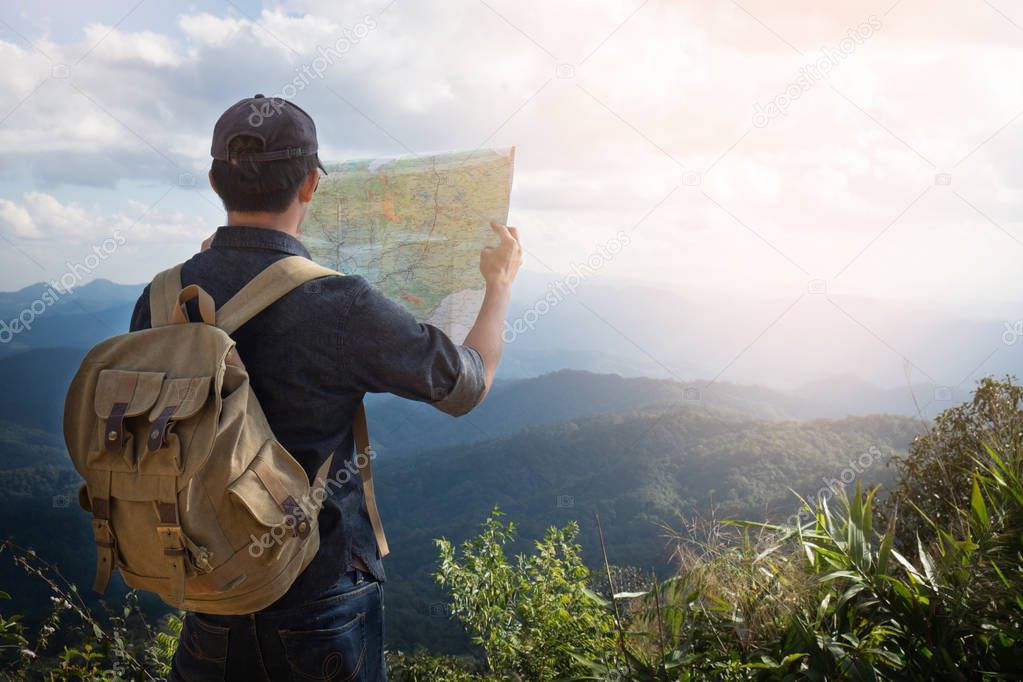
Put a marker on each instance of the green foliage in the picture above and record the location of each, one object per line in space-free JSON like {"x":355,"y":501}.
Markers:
{"x":424,"y":667}
{"x":532,"y":616}
{"x":118,"y":645}
{"x":937,"y":475}
{"x":680,"y":458}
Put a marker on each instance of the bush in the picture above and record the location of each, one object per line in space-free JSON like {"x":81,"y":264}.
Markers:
{"x":535,"y":617}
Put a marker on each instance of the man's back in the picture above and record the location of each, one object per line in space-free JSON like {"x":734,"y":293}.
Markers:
{"x":311,"y":356}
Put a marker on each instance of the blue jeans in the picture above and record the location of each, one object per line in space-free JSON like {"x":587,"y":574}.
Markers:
{"x":339,"y":636}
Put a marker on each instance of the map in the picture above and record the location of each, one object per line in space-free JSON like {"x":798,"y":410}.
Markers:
{"x":414,"y":227}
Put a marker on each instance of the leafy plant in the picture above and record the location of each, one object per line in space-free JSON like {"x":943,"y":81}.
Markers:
{"x":118,"y":645}
{"x":534,"y":616}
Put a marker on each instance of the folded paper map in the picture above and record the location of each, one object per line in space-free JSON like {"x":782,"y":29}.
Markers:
{"x":414,"y":226}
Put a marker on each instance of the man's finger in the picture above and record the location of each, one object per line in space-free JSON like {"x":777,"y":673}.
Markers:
{"x":514,"y":231}
{"x":501,"y":230}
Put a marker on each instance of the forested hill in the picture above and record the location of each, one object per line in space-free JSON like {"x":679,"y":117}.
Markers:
{"x":639,"y":471}
{"x":398,"y":425}
{"x":37,"y":381}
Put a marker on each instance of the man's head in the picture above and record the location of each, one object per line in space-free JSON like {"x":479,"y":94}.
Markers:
{"x":265,"y":158}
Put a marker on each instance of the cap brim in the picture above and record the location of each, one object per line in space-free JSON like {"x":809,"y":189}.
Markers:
{"x":322,"y":167}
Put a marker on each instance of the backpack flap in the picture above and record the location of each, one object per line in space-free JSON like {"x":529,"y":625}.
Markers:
{"x":179,"y":399}
{"x":120,"y":395}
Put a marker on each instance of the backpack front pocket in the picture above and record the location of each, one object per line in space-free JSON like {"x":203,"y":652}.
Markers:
{"x":170,"y":424}
{"x":122,"y":396}
{"x":274,"y":491}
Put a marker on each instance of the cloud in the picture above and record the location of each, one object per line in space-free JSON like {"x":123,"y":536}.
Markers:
{"x":610,"y":104}
{"x":114,"y":46}
{"x":17,"y":220}
{"x":41,"y":216}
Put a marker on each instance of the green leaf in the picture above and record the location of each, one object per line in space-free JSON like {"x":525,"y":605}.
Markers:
{"x":629,"y":595}
{"x":978,"y":507}
{"x":835,"y":575}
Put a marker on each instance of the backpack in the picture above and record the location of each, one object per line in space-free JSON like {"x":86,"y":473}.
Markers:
{"x":192,"y":497}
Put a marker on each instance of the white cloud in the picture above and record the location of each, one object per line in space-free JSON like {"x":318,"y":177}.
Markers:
{"x":17,"y":220}
{"x":652,"y":95}
{"x":42,"y":216}
{"x":112,"y":45}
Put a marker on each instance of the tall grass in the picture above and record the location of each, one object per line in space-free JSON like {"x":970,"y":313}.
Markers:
{"x":831,"y":598}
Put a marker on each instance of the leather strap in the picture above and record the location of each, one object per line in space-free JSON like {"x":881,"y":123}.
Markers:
{"x":163,"y":296}
{"x":158,"y":431}
{"x":265,"y":288}
{"x":103,"y":534}
{"x":365,"y":464}
{"x":172,"y":538}
{"x":113,"y":438}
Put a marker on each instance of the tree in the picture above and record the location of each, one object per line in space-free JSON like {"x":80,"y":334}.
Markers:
{"x":937,"y":474}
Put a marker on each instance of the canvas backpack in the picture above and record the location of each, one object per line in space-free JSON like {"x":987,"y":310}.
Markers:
{"x":192,"y":497}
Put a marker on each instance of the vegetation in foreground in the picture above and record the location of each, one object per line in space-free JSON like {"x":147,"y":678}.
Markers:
{"x":842,"y":592}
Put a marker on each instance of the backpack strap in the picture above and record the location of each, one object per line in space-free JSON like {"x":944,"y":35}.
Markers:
{"x":103,"y":533}
{"x":364,"y":460}
{"x":265,"y":288}
{"x":163,"y":296}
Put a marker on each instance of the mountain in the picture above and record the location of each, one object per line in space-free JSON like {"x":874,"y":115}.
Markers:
{"x":640,"y":330}
{"x":39,"y":379}
{"x":79,"y":318}
{"x":35,"y":383}
{"x":403,"y":428}
{"x":99,"y":294}
{"x":640,"y":471}
{"x":615,"y":327}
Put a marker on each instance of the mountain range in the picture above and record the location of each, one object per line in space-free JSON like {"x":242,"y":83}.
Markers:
{"x":841,"y":356}
{"x":630,"y":402}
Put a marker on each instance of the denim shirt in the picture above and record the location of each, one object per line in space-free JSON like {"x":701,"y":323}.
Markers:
{"x":311,"y":357}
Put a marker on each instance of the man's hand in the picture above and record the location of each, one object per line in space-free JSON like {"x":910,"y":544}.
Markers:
{"x":499,"y":264}
{"x":207,"y":242}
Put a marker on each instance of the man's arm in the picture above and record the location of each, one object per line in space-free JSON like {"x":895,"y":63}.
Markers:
{"x":499,"y":265}
{"x":384,"y":349}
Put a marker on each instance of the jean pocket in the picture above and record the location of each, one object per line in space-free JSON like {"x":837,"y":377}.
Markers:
{"x":202,"y":650}
{"x":328,"y":655}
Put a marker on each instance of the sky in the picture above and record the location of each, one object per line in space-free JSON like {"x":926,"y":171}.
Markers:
{"x":752,"y":148}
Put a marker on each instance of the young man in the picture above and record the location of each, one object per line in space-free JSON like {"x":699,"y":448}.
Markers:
{"x":311,"y":357}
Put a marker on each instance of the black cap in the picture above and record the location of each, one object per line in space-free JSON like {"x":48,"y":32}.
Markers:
{"x":285,"y":129}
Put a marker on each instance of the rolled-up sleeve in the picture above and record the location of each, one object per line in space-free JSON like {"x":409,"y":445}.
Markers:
{"x":384,"y":349}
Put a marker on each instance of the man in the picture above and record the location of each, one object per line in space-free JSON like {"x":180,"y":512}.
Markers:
{"x":311,"y":357}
